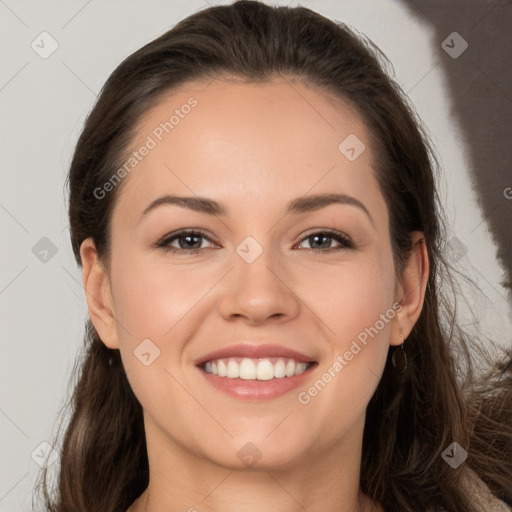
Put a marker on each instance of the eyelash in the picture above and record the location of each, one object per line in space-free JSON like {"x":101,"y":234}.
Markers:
{"x":163,"y":243}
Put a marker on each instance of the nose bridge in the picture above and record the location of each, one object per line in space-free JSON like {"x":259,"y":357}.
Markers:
{"x":256,"y":290}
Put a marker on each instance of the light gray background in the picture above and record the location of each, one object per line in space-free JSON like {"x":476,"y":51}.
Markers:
{"x":43,"y":104}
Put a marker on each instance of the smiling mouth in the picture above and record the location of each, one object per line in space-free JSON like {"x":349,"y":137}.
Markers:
{"x":264,"y":369}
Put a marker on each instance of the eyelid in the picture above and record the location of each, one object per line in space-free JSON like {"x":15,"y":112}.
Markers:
{"x":325,"y":231}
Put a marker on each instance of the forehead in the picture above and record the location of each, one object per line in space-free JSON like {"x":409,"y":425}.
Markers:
{"x":250,"y":144}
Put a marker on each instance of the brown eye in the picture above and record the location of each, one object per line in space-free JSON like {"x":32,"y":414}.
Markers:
{"x":189,"y":242}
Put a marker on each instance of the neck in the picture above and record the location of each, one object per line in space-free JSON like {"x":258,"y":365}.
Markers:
{"x":325,"y":481}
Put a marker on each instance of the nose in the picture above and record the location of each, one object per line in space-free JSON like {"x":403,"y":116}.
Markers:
{"x":259,"y":291}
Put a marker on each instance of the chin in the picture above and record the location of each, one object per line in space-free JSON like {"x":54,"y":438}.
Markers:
{"x":258,"y":455}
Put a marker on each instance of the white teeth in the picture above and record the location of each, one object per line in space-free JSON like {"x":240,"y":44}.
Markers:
{"x":300,"y":368}
{"x":265,"y":370}
{"x":222,"y":370}
{"x":233,"y":370}
{"x":247,"y":369}
{"x":255,"y":369}
{"x":290,"y":368}
{"x":279,"y":369}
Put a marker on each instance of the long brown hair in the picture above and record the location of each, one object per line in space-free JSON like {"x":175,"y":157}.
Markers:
{"x":412,"y":417}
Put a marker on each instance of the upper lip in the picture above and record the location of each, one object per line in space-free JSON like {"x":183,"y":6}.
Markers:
{"x":259,"y":351}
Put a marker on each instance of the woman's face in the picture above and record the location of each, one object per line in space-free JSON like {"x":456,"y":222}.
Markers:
{"x":279,"y":274}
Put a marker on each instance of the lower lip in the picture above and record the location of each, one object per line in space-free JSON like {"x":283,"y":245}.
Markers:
{"x":257,"y":389}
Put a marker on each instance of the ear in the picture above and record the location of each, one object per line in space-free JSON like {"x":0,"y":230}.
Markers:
{"x":98,"y":293}
{"x":411,"y":288}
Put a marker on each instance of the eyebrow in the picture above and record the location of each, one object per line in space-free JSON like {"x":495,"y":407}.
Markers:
{"x":296,"y":206}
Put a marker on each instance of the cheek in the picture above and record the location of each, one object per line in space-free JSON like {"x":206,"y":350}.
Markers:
{"x":345,"y":383}
{"x":363,"y":308}
{"x":352,"y":296}
{"x":153,"y":305}
{"x":151,"y":299}
{"x":358,"y":312}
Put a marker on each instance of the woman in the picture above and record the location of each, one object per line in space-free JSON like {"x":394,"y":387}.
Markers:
{"x":232,"y":363}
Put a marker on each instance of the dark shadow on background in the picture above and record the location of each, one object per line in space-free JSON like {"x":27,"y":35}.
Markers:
{"x":480,"y":82}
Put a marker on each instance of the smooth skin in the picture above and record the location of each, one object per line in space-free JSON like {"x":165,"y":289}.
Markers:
{"x":253,"y":148}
